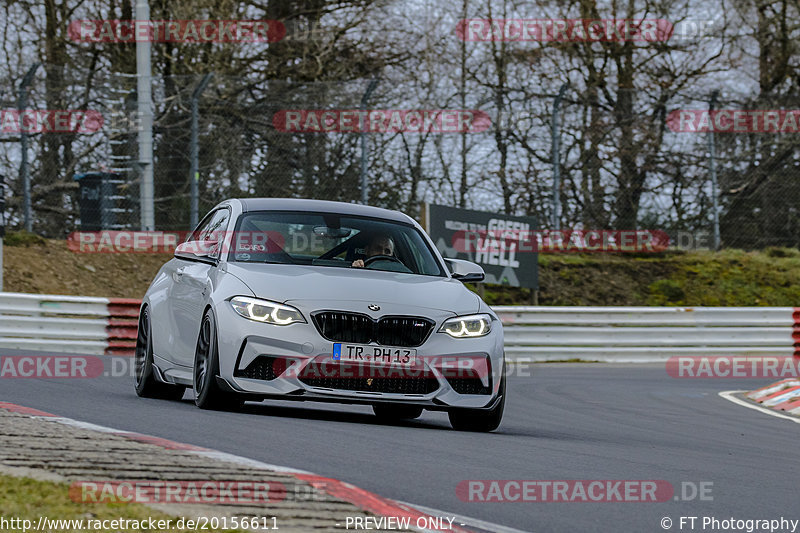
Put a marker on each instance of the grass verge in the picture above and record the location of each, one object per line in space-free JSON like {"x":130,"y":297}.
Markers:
{"x":28,"y":499}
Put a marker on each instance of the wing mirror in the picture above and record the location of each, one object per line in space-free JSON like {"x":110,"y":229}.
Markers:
{"x":205,"y":251}
{"x":465,"y":271}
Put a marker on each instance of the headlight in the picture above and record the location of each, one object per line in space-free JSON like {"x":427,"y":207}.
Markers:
{"x":467,"y":326}
{"x":266,"y":311}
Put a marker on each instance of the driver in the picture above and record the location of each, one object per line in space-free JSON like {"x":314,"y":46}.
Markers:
{"x":381,"y":244}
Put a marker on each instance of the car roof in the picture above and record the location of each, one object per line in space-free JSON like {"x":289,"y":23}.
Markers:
{"x":321,"y":206}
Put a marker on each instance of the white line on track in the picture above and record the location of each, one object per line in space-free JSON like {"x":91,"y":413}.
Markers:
{"x":729,"y":395}
{"x":238,"y":459}
{"x":80,"y":424}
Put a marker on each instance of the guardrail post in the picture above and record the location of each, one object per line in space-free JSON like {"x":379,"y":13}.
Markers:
{"x":555,"y":132}
{"x":194,"y":171}
{"x":712,"y":164}
{"x":2,"y":225}
{"x":22,"y":103}
{"x":364,"y":177}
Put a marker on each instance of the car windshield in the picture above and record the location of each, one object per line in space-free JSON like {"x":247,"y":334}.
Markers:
{"x":332,"y":240}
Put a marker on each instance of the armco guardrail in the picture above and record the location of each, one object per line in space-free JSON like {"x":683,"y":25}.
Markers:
{"x":640,"y":334}
{"x":76,"y":324}
{"x":68,"y":324}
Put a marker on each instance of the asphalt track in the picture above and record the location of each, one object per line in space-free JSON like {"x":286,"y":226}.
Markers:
{"x":565,"y":421}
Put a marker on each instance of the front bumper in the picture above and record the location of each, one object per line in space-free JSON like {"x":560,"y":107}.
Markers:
{"x":295,"y":362}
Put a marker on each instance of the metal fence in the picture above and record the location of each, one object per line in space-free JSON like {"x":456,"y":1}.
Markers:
{"x":532,"y":334}
{"x":616,"y":171}
{"x":647,"y":334}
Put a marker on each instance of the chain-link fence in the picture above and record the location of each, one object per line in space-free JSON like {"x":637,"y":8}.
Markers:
{"x":644,"y":162}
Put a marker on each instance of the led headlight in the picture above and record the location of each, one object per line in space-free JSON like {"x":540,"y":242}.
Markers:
{"x":266,"y":311}
{"x":467,"y":326}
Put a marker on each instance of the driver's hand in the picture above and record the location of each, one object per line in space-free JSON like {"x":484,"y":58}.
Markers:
{"x":358,"y":263}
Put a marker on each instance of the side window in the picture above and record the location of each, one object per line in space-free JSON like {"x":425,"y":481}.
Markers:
{"x":215,"y":230}
{"x":212,"y":229}
{"x":212,"y":226}
{"x":425,"y":262}
{"x":193,"y":236}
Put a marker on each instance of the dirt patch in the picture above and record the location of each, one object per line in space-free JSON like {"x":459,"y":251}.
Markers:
{"x":48,"y":267}
{"x":726,"y":278}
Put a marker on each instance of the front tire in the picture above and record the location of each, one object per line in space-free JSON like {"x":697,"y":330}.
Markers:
{"x":147,"y":386}
{"x":478,"y":419}
{"x":207,"y":394}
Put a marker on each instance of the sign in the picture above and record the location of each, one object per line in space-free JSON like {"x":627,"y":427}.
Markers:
{"x":504,"y":245}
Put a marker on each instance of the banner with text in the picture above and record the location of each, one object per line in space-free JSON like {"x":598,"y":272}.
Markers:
{"x":501,"y":244}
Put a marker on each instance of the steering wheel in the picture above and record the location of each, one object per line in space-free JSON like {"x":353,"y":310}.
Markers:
{"x":369,"y":260}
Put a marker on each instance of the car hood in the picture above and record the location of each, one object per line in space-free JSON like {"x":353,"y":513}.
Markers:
{"x":299,"y":283}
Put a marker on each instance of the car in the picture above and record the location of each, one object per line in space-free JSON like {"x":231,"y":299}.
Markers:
{"x":314,"y":300}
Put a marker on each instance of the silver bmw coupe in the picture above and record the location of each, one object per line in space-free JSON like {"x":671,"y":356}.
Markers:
{"x":321,"y":301}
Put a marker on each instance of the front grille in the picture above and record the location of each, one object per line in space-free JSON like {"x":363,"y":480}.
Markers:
{"x":344,"y":327}
{"x":351,"y":378}
{"x":402,"y":331}
{"x":263,"y":367}
{"x":339,"y":326}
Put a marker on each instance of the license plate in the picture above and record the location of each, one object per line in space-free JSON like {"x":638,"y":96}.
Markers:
{"x":377,"y":355}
